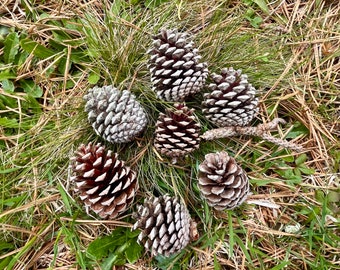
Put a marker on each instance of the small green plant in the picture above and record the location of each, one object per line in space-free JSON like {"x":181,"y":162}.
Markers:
{"x":293,"y":171}
{"x":115,"y":249}
{"x":63,"y":55}
{"x":251,"y":15}
{"x":27,"y":64}
{"x":12,"y":59}
{"x":253,"y":19}
{"x":15,"y":122}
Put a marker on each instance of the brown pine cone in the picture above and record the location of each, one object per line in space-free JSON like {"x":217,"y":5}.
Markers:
{"x":222,"y":181}
{"x":115,"y":115}
{"x":103,"y":182}
{"x":231,"y":100}
{"x":166,"y":225}
{"x":177,"y":132}
{"x":176,"y":71}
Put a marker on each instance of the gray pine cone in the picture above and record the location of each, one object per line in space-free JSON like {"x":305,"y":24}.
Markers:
{"x":115,"y":115}
{"x":166,"y":225}
{"x":222,"y":181}
{"x":231,"y":100}
{"x":103,"y":182}
{"x":176,"y":71}
{"x":177,"y":132}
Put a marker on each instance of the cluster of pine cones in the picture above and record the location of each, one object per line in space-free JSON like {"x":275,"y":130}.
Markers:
{"x":107,"y":186}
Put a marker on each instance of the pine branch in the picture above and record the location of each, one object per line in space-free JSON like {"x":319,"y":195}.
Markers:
{"x":260,"y":131}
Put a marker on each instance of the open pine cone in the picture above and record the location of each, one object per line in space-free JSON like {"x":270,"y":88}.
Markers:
{"x":103,"y":182}
{"x":176,"y":71}
{"x":231,"y":100}
{"x":177,"y":132}
{"x":222,"y":181}
{"x":166,"y":225}
{"x":115,"y":115}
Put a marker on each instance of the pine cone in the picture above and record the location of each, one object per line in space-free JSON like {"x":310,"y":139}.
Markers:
{"x":222,"y":181}
{"x":174,"y":64}
{"x":115,"y":115}
{"x":166,"y":225}
{"x":177,"y":132}
{"x":103,"y":182}
{"x":232,"y":100}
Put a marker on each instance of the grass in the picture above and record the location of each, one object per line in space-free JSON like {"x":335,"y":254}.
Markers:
{"x":290,"y":51}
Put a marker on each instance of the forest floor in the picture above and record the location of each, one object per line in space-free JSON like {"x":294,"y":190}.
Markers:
{"x":52,"y":52}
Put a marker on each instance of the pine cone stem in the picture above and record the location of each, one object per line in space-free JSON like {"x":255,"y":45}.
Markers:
{"x":259,"y":131}
{"x":282,"y":143}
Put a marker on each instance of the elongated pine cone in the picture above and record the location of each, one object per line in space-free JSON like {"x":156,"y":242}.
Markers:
{"x":222,"y":181}
{"x":176,"y":71}
{"x":103,"y":182}
{"x":177,"y":132}
{"x":166,"y":225}
{"x":231,"y":100}
{"x":115,"y":115}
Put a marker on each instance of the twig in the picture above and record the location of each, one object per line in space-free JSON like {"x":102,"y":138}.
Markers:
{"x":259,"y":131}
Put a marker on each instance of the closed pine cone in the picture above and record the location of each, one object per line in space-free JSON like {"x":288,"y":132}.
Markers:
{"x":103,"y":182}
{"x":115,"y":115}
{"x":177,"y":132}
{"x":176,"y":71}
{"x":166,"y":225}
{"x":222,"y":181}
{"x":231,"y":100}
